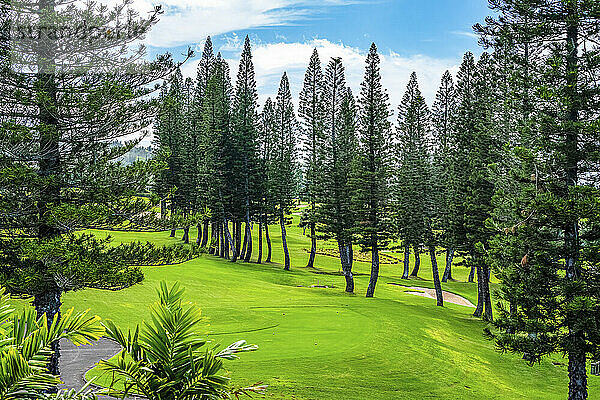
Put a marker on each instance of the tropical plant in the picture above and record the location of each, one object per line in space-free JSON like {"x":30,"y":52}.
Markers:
{"x":26,"y":349}
{"x":169,"y":358}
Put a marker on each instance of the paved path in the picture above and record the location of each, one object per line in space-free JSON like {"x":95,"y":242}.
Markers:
{"x":75,"y":361}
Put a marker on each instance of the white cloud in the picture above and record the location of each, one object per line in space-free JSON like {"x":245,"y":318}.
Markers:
{"x":272,"y":59}
{"x":471,"y":35}
{"x":190,"y":21}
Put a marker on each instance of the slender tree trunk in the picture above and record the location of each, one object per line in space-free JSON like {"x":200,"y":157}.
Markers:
{"x":448,"y":270}
{"x":268,"y":239}
{"x":244,"y":242}
{"x":313,"y":246}
{"x":472,"y":274}
{"x":286,"y":253}
{"x":436,"y":277}
{"x":199,"y":237}
{"x":374,"y":269}
{"x":248,"y":253}
{"x":222,"y":244}
{"x":480,"y":291}
{"x":577,"y":371}
{"x":487,"y":298}
{"x":163,"y":208}
{"x":346,"y":261}
{"x":172,"y":233}
{"x":48,"y":302}
{"x":205,"y":234}
{"x":238,"y":239}
{"x":406,"y":261}
{"x":229,"y":239}
{"x":213,"y":238}
{"x":260,"y":229}
{"x":415,"y":271}
{"x":186,"y":234}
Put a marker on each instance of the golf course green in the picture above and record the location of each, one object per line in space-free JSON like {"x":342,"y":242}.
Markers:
{"x":322,"y":343}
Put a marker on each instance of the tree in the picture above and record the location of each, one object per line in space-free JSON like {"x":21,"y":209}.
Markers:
{"x":267,"y":140}
{"x":443,"y":114}
{"x":311,"y":114}
{"x":245,"y":122}
{"x":547,"y":218}
{"x":282,"y":183}
{"x":335,"y":213}
{"x":169,"y":358}
{"x":372,"y":169}
{"x":412,"y":172}
{"x":63,"y":101}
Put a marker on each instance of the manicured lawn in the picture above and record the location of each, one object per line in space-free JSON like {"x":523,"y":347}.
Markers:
{"x":318,"y":343}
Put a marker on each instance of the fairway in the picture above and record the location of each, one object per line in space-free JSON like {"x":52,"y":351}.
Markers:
{"x":321,"y":343}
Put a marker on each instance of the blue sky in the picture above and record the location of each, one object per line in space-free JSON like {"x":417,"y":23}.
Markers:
{"x":427,"y":36}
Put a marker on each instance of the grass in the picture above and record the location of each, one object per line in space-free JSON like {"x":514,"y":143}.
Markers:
{"x":318,"y":343}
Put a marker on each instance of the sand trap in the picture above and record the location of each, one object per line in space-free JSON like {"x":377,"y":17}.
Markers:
{"x":430,"y":294}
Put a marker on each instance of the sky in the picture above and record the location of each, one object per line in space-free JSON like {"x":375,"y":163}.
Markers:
{"x":426,"y":36}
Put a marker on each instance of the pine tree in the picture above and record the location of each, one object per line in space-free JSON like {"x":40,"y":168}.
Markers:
{"x":311,"y":114}
{"x":547,"y":218}
{"x":245,"y":119}
{"x":462,"y":128}
{"x":443,"y":114}
{"x":63,"y":103}
{"x":282,"y":181}
{"x":412,"y":172}
{"x":268,"y":136}
{"x":372,"y":169}
{"x":335,"y":213}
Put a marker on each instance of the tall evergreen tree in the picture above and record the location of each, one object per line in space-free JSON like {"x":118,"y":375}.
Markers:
{"x":372,"y":169}
{"x":311,"y":114}
{"x":268,"y":137}
{"x":412,"y":172}
{"x":335,"y":213}
{"x":282,"y":182}
{"x":245,"y":119}
{"x":548,"y":227}
{"x":63,"y":101}
{"x":443,"y":114}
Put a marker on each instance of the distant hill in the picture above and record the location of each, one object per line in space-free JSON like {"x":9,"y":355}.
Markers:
{"x":135,"y":154}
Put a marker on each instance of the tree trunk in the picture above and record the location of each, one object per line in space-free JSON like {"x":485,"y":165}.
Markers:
{"x":229,"y":239}
{"x":268,"y":239}
{"x":374,"y":269}
{"x":222,"y":244}
{"x":248,"y":253}
{"x":406,"y":262}
{"x":244,"y":241}
{"x":313,"y":246}
{"x":49,"y":303}
{"x":472,"y":275}
{"x":260,"y":229}
{"x":205,"y":234}
{"x":199,"y":237}
{"x":448,"y":270}
{"x":286,"y":253}
{"x":487,"y":298}
{"x":172,"y":233}
{"x":577,"y":372}
{"x":480,"y":292}
{"x":163,"y":208}
{"x":436,"y":277}
{"x":238,"y":240}
{"x":415,"y":271}
{"x":346,"y":261}
{"x":186,"y":234}
{"x":213,"y":238}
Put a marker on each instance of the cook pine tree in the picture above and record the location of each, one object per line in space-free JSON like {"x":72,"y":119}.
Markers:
{"x":311,"y":113}
{"x":371,"y":199}
{"x":335,"y":213}
{"x":554,"y":286}
{"x":282,"y":180}
{"x":61,"y":110}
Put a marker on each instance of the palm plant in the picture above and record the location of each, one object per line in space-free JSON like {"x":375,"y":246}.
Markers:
{"x":168,"y":358}
{"x":26,"y":348}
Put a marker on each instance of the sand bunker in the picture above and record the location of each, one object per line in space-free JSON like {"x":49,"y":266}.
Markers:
{"x":430,"y":294}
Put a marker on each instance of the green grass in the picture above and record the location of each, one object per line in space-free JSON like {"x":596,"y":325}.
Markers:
{"x":325,"y":344}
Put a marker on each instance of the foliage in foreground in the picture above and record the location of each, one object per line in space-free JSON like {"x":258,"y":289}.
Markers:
{"x":169,"y":358}
{"x":25,"y":350}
